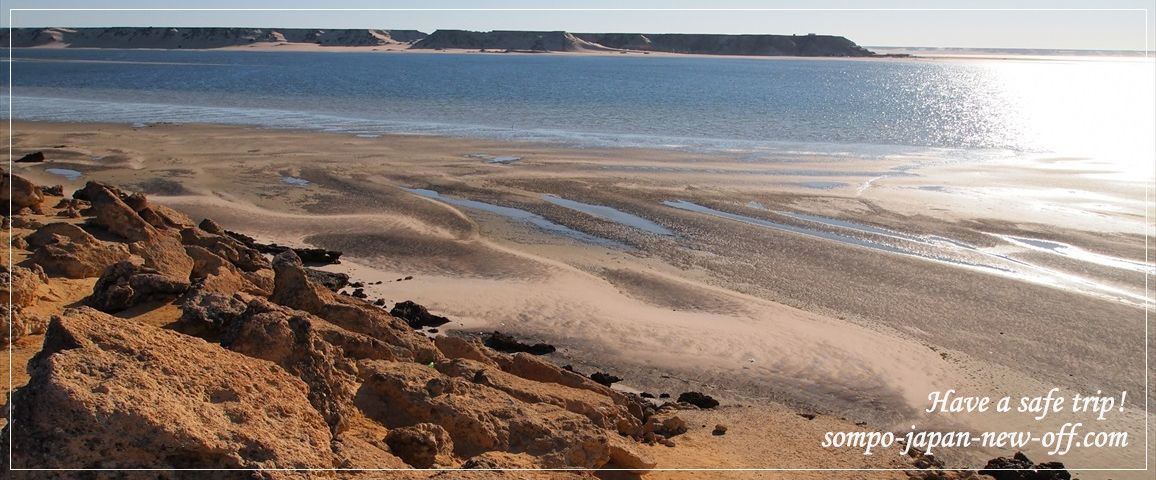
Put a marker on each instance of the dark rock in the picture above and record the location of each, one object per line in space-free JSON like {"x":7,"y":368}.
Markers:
{"x":719,"y":430}
{"x":605,"y":378}
{"x":124,"y":285}
{"x":53,"y":190}
{"x":334,"y":281}
{"x":34,"y":157}
{"x":432,"y":330}
{"x":316,"y":256}
{"x":664,"y":395}
{"x":211,"y":227}
{"x":379,"y":302}
{"x":1042,"y":471}
{"x":360,"y":293}
{"x":408,"y":277}
{"x":698,"y":399}
{"x":568,"y":367}
{"x":646,"y":395}
{"x":808,"y":416}
{"x":416,"y":315}
{"x":357,"y":285}
{"x":507,"y":344}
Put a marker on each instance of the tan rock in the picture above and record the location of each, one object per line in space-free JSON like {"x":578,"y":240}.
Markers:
{"x":112,"y":393}
{"x":21,"y":192}
{"x":241,"y":256}
{"x":219,"y":275}
{"x":480,"y":418}
{"x":423,"y":445}
{"x":65,"y":250}
{"x":599,"y":409}
{"x":165,"y":254}
{"x":457,"y":347}
{"x":114,"y":215}
{"x":293,"y":288}
{"x":20,"y":287}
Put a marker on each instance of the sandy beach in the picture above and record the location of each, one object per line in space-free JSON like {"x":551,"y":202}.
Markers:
{"x":850,"y":289}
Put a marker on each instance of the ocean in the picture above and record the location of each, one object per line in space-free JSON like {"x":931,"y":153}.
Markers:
{"x":1097,"y":109}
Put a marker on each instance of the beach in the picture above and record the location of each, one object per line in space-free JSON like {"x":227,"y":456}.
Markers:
{"x":844,"y":288}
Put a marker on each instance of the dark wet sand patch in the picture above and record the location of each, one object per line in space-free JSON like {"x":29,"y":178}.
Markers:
{"x":663,"y":292}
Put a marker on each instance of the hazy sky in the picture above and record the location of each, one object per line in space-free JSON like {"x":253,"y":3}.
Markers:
{"x":1120,"y":30}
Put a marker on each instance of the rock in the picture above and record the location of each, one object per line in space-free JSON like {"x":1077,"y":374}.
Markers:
{"x":317,"y":256}
{"x":215,"y":274}
{"x":480,"y":418}
{"x":808,"y":416}
{"x":423,"y":445}
{"x":1043,"y":471}
{"x":292,"y":288}
{"x":124,"y":285}
{"x":26,"y":223}
{"x":360,"y":293}
{"x":20,"y":287}
{"x":624,"y":456}
{"x":211,"y":227}
{"x":165,"y":254}
{"x":719,"y":430}
{"x":600,"y":409}
{"x":66,"y":250}
{"x":20,"y":192}
{"x":53,"y":190}
{"x":334,"y":281}
{"x":471,"y":349}
{"x":243,"y":257}
{"x":646,"y":395}
{"x":698,"y":399}
{"x":69,"y":213}
{"x":114,"y":215}
{"x":665,"y":425}
{"x":664,"y":395}
{"x":415,"y":315}
{"x":379,"y":302}
{"x":113,"y":393}
{"x":605,"y":378}
{"x":507,"y":344}
{"x":34,"y":157}
{"x":357,"y":285}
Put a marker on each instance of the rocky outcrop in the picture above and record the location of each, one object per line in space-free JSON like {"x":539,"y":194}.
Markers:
{"x":112,"y":393}
{"x":698,"y":399}
{"x":125,"y":285}
{"x":810,"y":45}
{"x":34,"y":157}
{"x":293,"y":288}
{"x":480,"y":418}
{"x":508,"y":344}
{"x":266,"y":367}
{"x":20,"y":192}
{"x":66,"y":250}
{"x":202,"y":37}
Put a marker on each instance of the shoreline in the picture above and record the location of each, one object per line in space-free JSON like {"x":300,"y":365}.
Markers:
{"x":581,"y":293}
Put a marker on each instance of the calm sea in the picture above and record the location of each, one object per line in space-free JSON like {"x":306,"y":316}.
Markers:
{"x":956,"y":110}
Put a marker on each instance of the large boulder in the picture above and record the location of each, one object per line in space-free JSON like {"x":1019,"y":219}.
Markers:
{"x":112,"y":393}
{"x":20,"y":192}
{"x":114,"y":215}
{"x":124,"y":285}
{"x":165,"y":254}
{"x":66,"y":250}
{"x":219,"y":275}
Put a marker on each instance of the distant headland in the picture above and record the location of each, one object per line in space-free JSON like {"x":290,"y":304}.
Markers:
{"x":198,"y":38}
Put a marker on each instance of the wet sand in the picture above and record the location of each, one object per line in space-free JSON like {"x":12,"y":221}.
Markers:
{"x":1008,"y":279}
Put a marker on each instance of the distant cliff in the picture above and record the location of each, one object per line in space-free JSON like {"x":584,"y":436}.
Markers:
{"x":201,"y":37}
{"x":553,"y":41}
{"x":705,"y":44}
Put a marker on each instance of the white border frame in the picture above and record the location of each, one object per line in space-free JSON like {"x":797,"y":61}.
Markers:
{"x":10,"y":30}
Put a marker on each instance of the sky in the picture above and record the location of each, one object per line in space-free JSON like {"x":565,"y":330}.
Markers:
{"x":1131,"y":27}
